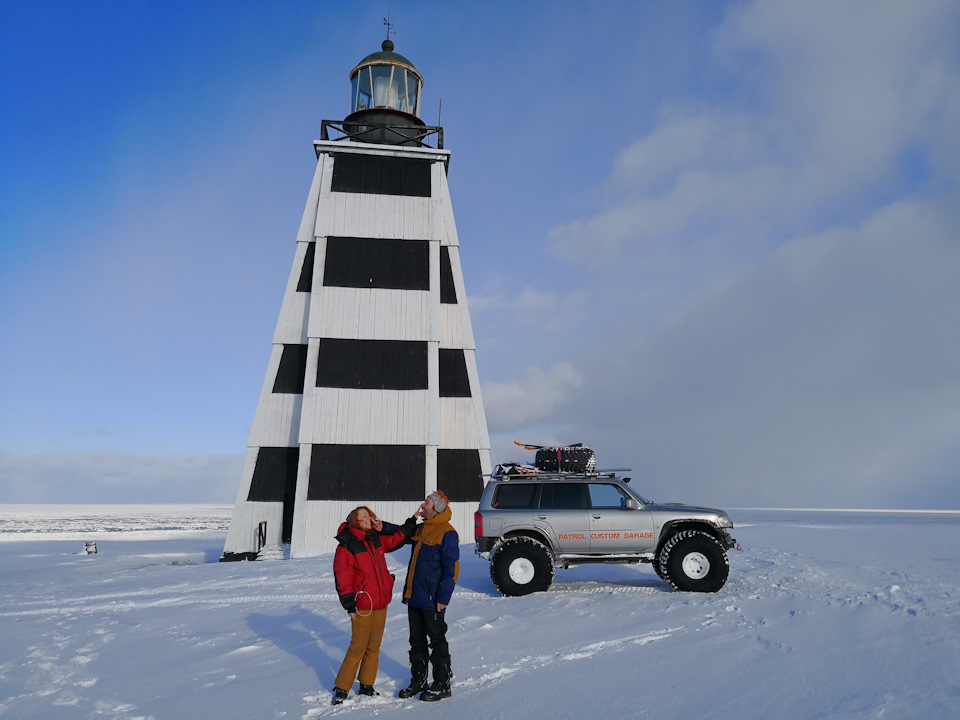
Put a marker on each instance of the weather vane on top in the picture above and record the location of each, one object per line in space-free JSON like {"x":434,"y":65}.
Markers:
{"x":386,"y":21}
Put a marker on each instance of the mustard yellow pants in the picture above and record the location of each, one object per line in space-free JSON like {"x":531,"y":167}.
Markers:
{"x":364,"y":650}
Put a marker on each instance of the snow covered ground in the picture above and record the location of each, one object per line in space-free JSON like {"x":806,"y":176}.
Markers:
{"x":825,"y":615}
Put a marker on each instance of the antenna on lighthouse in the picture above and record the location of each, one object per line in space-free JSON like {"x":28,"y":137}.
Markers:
{"x":390,"y":25}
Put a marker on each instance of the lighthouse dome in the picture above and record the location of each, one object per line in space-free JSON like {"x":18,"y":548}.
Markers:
{"x":386,"y":54}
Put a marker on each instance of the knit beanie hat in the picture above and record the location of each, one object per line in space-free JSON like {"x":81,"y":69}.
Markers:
{"x":439,"y":501}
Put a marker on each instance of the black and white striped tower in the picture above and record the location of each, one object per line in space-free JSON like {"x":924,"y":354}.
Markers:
{"x":371,"y":395}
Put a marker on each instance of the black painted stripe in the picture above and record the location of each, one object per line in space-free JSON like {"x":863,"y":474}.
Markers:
{"x":293,"y":368}
{"x":376,"y":263}
{"x":372,"y":364}
{"x":306,"y":272}
{"x":454,"y":381}
{"x":274,"y":474}
{"x":448,"y":291}
{"x":381,"y":175}
{"x":458,"y":474}
{"x":367,"y":472}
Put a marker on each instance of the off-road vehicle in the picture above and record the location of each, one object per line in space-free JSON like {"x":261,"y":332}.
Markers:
{"x":531,"y":521}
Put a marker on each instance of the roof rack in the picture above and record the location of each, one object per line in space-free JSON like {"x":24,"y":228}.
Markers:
{"x":541,"y":475}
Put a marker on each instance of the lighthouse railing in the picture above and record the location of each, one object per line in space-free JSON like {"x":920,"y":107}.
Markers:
{"x":408,"y":134}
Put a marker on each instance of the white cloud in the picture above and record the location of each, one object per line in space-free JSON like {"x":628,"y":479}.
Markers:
{"x":545,"y":310}
{"x":846,"y":90}
{"x":524,"y":403}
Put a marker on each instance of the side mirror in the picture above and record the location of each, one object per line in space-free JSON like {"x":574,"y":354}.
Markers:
{"x":632,"y":504}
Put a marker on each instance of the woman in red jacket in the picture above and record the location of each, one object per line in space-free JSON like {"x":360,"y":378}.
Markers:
{"x":365,"y":587}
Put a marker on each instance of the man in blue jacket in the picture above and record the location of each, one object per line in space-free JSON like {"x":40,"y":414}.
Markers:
{"x":431,"y":577}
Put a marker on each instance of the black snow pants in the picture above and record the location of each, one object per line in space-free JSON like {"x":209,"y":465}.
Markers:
{"x":428,"y":641}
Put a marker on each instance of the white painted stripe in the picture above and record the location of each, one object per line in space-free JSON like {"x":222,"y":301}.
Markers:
{"x":466,"y":328}
{"x":376,"y":216}
{"x":277,"y":417}
{"x":370,"y":314}
{"x":292,"y":323}
{"x":450,"y":236}
{"x":458,"y":424}
{"x":341,"y":416}
{"x":309,"y":220}
{"x":277,"y":421}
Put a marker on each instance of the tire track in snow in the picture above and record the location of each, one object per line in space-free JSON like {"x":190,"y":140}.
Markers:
{"x":468,"y":685}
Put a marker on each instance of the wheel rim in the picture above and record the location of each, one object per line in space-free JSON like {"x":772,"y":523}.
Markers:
{"x":696,"y":566}
{"x":521,"y":571}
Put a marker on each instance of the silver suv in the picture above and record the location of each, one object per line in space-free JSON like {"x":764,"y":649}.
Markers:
{"x":530,"y":522}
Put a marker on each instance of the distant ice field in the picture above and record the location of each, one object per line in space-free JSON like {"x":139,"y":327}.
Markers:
{"x":19,"y":523}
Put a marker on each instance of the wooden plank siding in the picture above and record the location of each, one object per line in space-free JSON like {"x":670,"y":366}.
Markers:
{"x":450,"y":236}
{"x":458,"y":425}
{"x":277,"y":421}
{"x":466,"y":328}
{"x":376,"y":216}
{"x":379,"y":417}
{"x":371,"y":314}
{"x":247,"y":516}
{"x":294,"y":310}
{"x":373,"y":294}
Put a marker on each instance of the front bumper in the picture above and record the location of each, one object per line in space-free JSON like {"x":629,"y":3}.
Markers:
{"x":729,"y":542}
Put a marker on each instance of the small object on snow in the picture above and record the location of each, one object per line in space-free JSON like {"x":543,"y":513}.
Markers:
{"x":175,"y":562}
{"x":338,"y":696}
{"x":90,"y":547}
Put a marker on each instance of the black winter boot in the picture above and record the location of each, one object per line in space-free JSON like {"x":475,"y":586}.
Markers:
{"x":367,"y":690}
{"x":338,"y":696}
{"x":437,"y":691}
{"x":440,"y":688}
{"x":418,"y":681}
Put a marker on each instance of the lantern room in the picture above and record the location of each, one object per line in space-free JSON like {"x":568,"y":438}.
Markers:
{"x":385,"y":81}
{"x":385,"y":100}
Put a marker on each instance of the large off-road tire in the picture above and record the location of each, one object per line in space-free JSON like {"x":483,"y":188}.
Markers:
{"x":658,"y":571}
{"x":693,"y":561}
{"x":520,"y":566}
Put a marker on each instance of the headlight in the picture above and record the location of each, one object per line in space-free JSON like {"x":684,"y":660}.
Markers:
{"x":724,"y":521}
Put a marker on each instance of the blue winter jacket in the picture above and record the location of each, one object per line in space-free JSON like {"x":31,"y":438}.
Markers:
{"x":434,"y":563}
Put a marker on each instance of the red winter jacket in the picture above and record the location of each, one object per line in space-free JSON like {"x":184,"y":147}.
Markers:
{"x":363,"y":581}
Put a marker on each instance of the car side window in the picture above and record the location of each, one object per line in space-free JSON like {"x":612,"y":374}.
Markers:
{"x":563,"y":496}
{"x":607,"y":496}
{"x":515,"y":496}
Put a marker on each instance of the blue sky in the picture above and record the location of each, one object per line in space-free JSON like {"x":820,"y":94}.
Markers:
{"x":718,"y":242}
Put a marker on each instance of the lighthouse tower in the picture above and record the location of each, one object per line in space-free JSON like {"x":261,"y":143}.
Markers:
{"x":371,"y":395}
